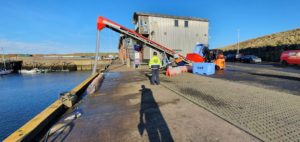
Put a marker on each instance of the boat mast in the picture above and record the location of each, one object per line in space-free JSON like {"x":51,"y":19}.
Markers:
{"x":3,"y":59}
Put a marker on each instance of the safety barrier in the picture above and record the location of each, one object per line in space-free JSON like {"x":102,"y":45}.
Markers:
{"x":172,"y":71}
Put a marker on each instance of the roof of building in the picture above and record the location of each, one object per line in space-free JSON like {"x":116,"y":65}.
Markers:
{"x":136,"y":14}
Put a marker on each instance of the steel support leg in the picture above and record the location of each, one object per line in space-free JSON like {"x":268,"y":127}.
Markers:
{"x":97,"y":52}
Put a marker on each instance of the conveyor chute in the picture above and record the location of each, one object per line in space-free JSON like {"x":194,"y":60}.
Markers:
{"x":103,"y":22}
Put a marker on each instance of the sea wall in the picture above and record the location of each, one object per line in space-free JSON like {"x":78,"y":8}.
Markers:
{"x":72,"y":64}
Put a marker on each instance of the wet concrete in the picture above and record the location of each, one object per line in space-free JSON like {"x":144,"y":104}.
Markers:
{"x":127,"y":108}
{"x":270,"y":76}
{"x":196,"y":93}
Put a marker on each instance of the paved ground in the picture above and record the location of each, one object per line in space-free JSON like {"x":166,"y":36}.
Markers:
{"x":266,"y":75}
{"x":128,"y":108}
{"x":268,"y":114}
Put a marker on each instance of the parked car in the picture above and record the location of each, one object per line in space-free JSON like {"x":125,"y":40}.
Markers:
{"x":250,"y":59}
{"x":238,"y":57}
{"x":290,"y":57}
{"x":230,"y":57}
{"x":233,"y":57}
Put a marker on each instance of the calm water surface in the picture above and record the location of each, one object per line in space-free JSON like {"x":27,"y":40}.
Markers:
{"x":24,"y":96}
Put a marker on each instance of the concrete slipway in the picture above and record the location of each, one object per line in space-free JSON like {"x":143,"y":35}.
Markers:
{"x":184,"y":108}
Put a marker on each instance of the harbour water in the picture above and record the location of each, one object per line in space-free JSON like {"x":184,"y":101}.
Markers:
{"x":24,"y":96}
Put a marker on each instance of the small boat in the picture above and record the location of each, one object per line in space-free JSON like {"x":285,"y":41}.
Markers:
{"x":44,"y":71}
{"x":65,"y":70}
{"x":4,"y":72}
{"x":32,"y":71}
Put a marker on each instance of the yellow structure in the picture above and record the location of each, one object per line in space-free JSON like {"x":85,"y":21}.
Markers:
{"x":220,"y":62}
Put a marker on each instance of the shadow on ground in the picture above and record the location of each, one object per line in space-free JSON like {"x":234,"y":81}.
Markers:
{"x":286,"y":66}
{"x":277,"y":76}
{"x":151,"y":119}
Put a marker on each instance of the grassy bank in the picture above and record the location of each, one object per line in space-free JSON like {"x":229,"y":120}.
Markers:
{"x":268,"y":47}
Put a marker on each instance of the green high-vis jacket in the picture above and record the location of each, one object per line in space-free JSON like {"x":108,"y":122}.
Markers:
{"x":155,"y":61}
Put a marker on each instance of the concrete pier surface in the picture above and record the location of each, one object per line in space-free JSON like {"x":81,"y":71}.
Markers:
{"x":127,"y":108}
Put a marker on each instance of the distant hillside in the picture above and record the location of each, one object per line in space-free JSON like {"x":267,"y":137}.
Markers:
{"x":71,"y":54}
{"x":268,"y":47}
{"x":90,"y":54}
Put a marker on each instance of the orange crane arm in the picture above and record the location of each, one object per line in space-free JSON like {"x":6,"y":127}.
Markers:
{"x":104,"y":22}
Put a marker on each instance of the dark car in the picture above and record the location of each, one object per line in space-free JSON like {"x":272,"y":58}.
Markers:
{"x":233,"y":57}
{"x":250,"y":59}
{"x":230,"y":57}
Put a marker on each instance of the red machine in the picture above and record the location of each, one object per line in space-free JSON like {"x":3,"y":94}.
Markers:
{"x":194,"y":57}
{"x":217,"y":58}
{"x":198,"y":55}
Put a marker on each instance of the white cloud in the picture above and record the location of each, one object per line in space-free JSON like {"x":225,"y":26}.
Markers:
{"x":20,"y":47}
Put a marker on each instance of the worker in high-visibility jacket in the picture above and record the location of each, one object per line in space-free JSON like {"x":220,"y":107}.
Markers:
{"x":155,"y":64}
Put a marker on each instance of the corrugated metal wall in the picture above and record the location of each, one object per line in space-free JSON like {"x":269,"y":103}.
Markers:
{"x":163,"y":31}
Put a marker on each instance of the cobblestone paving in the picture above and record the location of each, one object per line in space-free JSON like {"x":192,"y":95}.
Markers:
{"x":269,"y":115}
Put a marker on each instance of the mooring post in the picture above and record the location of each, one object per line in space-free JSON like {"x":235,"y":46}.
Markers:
{"x":97,"y":52}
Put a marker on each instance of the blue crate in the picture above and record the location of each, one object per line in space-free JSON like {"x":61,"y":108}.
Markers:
{"x":204,"y":68}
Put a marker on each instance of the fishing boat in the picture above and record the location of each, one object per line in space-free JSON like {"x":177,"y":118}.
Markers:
{"x":4,"y":72}
{"x":32,"y":71}
{"x":66,"y":70}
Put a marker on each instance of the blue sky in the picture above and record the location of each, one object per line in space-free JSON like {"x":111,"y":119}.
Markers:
{"x":69,"y":26}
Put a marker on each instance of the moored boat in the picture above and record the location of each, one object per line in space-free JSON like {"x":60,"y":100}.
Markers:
{"x":4,"y":72}
{"x":32,"y":71}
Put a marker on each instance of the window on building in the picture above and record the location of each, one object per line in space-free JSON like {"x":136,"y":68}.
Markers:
{"x":176,"y":23}
{"x":186,"y":24}
{"x":141,"y":22}
{"x":152,"y":33}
